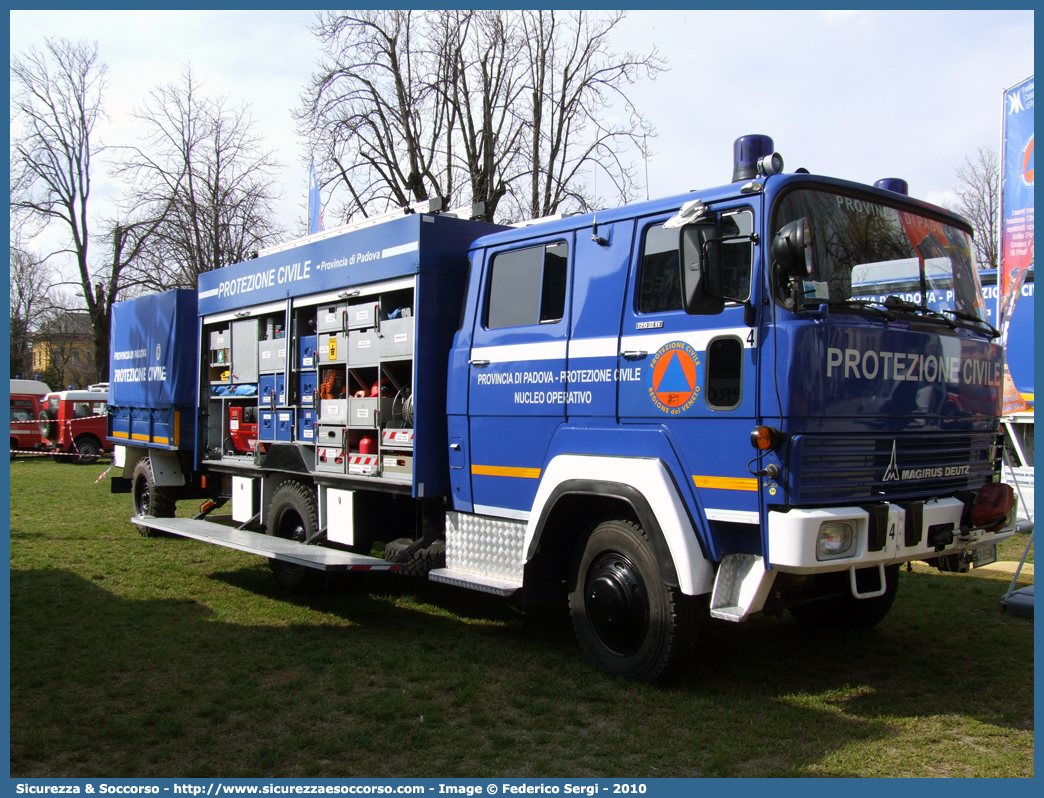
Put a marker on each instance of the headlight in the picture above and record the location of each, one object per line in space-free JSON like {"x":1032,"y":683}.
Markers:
{"x":836,"y":539}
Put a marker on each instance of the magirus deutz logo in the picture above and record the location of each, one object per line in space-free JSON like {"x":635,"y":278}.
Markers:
{"x":894,"y":474}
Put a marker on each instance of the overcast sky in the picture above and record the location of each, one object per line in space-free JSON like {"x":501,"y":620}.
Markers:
{"x":858,"y":95}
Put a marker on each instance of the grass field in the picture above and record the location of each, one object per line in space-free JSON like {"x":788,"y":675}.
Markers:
{"x":162,"y":656}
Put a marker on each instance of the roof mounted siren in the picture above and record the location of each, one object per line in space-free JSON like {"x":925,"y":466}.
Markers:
{"x":753,"y":156}
{"x":896,"y":184}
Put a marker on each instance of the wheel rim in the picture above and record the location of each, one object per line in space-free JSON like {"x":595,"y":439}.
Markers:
{"x":143,"y":497}
{"x":291,"y":526}
{"x":617,"y":603}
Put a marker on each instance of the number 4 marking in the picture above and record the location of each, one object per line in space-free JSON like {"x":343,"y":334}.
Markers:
{"x":750,"y":337}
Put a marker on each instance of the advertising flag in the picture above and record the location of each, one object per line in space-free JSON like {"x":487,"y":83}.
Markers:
{"x":1016,"y":189}
{"x":314,"y":207}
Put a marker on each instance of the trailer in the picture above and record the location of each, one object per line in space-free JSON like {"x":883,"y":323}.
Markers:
{"x":695,"y":406}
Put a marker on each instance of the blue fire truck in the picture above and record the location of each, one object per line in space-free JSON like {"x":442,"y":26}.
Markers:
{"x":673,"y":409}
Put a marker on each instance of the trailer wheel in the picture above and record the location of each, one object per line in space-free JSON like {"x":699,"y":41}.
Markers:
{"x":628,"y":622}
{"x":850,"y":613}
{"x":150,"y":498}
{"x":88,"y":449}
{"x":294,"y":515}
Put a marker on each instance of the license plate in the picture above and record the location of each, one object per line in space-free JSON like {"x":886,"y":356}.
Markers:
{"x":986,"y":555}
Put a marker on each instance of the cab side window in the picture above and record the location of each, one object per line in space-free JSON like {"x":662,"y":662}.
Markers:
{"x":528,"y":286}
{"x":737,"y":254}
{"x":659,"y":286}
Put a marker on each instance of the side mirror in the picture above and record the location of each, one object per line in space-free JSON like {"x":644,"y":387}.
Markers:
{"x":792,"y":249}
{"x":701,"y":270}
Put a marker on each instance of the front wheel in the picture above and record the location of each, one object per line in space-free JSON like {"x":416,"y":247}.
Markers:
{"x":294,"y":515}
{"x":628,"y":622}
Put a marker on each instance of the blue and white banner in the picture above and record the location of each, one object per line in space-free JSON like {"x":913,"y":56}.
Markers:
{"x":1017,"y":188}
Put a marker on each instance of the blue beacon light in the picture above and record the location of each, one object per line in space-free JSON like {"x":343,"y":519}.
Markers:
{"x":746,"y":152}
{"x":896,"y":184}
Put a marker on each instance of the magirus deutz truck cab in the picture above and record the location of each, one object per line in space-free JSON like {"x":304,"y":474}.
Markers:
{"x":720,"y":403}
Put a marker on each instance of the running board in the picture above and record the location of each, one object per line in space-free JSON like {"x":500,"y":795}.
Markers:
{"x":291,"y":551}
{"x":473,"y":581}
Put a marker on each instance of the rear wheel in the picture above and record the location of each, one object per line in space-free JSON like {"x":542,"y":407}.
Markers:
{"x":421,"y":561}
{"x":294,"y":515}
{"x":628,"y":622}
{"x":88,"y":450}
{"x":850,"y":613}
{"x":149,"y":498}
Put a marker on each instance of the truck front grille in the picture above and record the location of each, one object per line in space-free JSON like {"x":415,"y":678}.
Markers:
{"x":827,"y":469}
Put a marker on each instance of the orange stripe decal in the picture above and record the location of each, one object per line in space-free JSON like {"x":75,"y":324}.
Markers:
{"x":725,"y":483}
{"x":505,"y":471}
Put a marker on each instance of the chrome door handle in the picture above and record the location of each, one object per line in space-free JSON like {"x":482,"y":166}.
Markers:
{"x":633,"y":354}
{"x":478,"y":363}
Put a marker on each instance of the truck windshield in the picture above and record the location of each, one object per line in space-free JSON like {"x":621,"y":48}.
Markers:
{"x":865,"y":252}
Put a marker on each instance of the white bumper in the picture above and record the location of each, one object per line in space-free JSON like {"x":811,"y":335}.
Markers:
{"x":792,"y":537}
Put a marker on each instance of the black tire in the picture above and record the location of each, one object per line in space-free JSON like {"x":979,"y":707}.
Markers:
{"x":88,"y":449}
{"x":149,"y":498}
{"x":421,"y":561}
{"x":14,"y":445}
{"x":628,"y":622}
{"x":849,"y":613}
{"x":48,"y":426}
{"x":294,"y":515}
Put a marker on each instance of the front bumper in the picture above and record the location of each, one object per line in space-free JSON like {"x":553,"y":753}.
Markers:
{"x":792,"y":537}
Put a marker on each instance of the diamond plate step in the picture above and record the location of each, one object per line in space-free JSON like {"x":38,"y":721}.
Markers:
{"x":484,"y":583}
{"x":266,"y":546}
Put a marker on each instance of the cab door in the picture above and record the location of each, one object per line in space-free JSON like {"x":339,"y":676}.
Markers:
{"x":516,"y":390}
{"x":696,"y":374}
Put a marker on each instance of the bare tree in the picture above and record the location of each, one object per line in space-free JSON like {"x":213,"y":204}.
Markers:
{"x":483,"y":83}
{"x":56,"y":103}
{"x":30,"y":297}
{"x":372,"y":114}
{"x":408,"y":106}
{"x":201,"y":191}
{"x":575,"y":80}
{"x":978,"y":194}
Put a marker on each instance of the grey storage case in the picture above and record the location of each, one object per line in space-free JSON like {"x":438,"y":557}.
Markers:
{"x":333,"y":411}
{"x":363,"y":348}
{"x":361,"y":317}
{"x":396,"y":337}
{"x":340,"y":349}
{"x":330,"y":318}
{"x":271,"y":355}
{"x":361,"y":412}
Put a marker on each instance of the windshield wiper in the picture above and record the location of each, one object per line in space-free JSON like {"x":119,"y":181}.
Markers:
{"x":960,"y":314}
{"x":862,"y":304}
{"x":896,"y":303}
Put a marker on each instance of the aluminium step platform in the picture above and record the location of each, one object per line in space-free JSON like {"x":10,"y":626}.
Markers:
{"x":265,"y":545}
{"x":484,"y":583}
